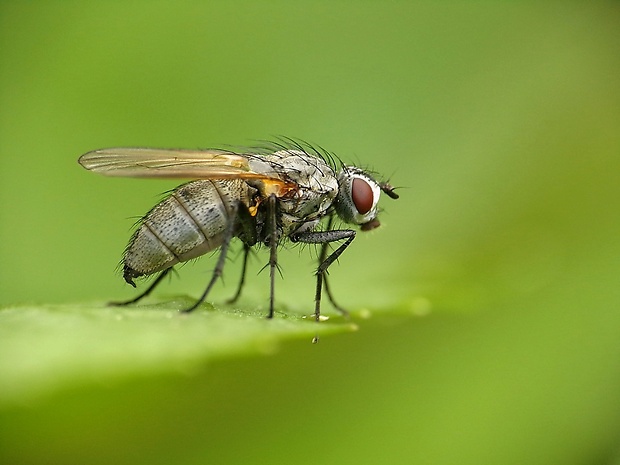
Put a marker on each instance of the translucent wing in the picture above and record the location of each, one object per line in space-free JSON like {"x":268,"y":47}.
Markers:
{"x":172,"y":163}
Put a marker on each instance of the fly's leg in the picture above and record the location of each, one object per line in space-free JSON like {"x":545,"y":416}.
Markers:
{"x":273,"y":248}
{"x":324,"y":237}
{"x":249,"y":237}
{"x":246,"y":253}
{"x":219,"y":267}
{"x":328,"y":291}
{"x":145,"y":293}
{"x":322,"y":257}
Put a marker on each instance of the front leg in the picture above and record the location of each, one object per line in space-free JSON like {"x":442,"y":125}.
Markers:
{"x":322,"y":257}
{"x":324,"y":237}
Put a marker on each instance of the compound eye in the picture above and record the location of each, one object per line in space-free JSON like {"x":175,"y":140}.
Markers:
{"x":362,"y":195}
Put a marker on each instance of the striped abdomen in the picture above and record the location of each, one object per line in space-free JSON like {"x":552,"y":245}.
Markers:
{"x":187,"y":224}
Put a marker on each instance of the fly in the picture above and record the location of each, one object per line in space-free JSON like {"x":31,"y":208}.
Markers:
{"x":260,"y":197}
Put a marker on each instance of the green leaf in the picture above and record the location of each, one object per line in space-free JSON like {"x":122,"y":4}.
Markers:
{"x":499,"y":120}
{"x":47,"y":348}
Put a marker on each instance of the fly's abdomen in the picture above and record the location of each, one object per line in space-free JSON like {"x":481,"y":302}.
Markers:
{"x":187,"y":224}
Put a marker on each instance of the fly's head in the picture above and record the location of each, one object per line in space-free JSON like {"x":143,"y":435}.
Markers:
{"x":358,"y":196}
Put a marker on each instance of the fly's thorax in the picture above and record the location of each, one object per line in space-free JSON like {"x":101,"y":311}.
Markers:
{"x":309,"y":172}
{"x":316,"y":191}
{"x":358,"y":196}
{"x":188,"y":223}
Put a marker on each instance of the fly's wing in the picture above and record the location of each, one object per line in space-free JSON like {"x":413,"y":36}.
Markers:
{"x":188,"y":164}
{"x":167,"y":163}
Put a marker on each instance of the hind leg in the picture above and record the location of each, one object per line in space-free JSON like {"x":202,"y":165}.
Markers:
{"x":145,"y":293}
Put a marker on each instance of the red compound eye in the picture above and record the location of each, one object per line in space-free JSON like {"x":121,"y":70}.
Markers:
{"x":362,"y":195}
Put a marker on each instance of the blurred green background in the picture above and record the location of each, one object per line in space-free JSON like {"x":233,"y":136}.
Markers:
{"x":492,"y":285}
